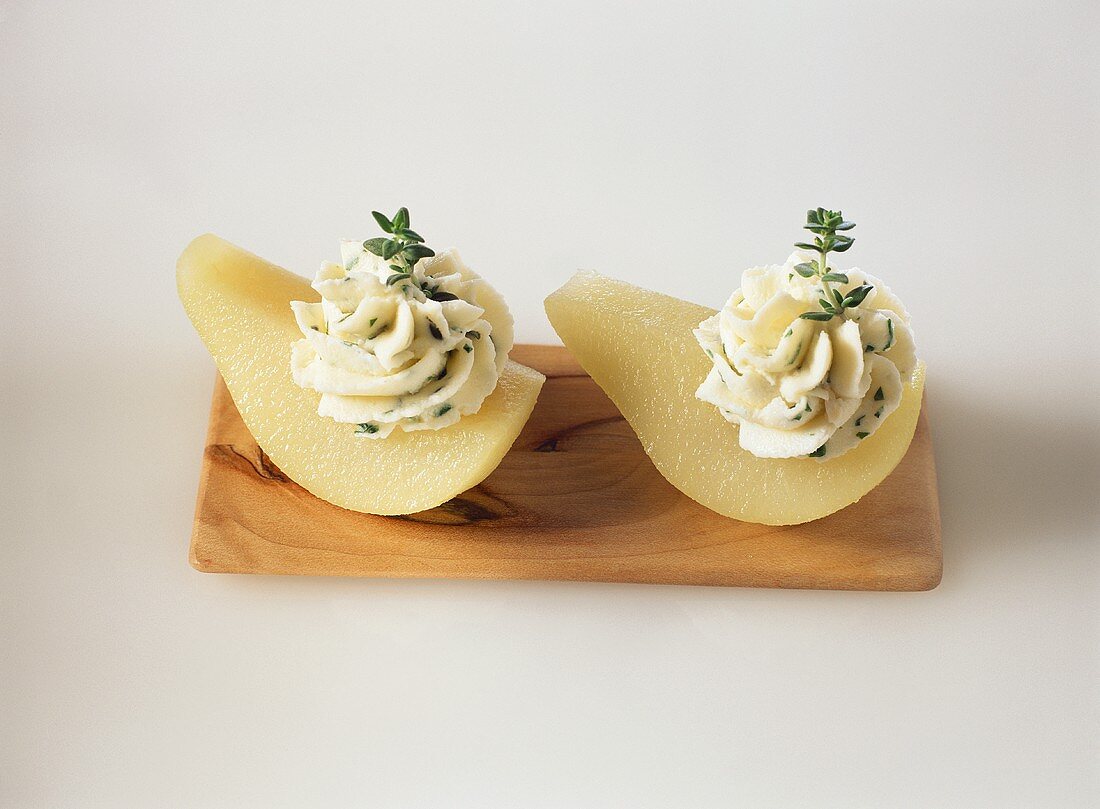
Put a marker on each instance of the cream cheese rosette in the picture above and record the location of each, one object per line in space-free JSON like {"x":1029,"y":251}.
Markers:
{"x":799,"y":387}
{"x":413,"y":355}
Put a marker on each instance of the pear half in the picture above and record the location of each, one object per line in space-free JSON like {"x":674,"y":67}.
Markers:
{"x":240,"y":306}
{"x":638,"y":346}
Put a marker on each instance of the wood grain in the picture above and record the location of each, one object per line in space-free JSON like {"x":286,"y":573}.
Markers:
{"x":576,"y":498}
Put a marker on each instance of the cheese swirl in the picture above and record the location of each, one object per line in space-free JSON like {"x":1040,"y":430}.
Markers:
{"x":390,"y":357}
{"x":798,"y":387}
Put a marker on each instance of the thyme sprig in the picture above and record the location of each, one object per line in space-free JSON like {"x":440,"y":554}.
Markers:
{"x":403,"y":247}
{"x":827,"y":226}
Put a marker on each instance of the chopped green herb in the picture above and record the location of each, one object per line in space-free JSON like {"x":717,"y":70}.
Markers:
{"x":817,"y":453}
{"x":443,"y":408}
{"x":442,"y":373}
{"x":373,"y":320}
{"x":807,"y":407}
{"x":879,"y":395}
{"x":443,"y":296}
{"x":795,"y":353}
{"x":436,"y":333}
{"x":709,"y":353}
{"x":367,"y":428}
{"x":861,"y":436}
{"x":798,"y":417}
{"x":878,"y":413}
{"x":788,"y":332}
{"x":315,"y":328}
{"x":890,"y":332}
{"x":467,"y":347}
{"x":869,"y":349}
{"x":859,"y":421}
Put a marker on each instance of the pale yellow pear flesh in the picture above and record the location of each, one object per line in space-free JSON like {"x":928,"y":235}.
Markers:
{"x":240,"y":305}
{"x":638,"y":346}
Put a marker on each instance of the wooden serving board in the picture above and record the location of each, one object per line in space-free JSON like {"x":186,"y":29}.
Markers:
{"x":575,"y":498}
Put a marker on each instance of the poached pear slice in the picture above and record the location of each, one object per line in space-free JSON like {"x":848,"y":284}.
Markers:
{"x":240,"y":306}
{"x":638,"y":346}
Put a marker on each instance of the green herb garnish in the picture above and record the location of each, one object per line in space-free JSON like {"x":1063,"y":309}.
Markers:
{"x":403,"y":246}
{"x":826,"y":226}
{"x":878,"y":395}
{"x":861,"y":436}
{"x":367,"y":428}
{"x":444,"y":408}
{"x":817,"y":453}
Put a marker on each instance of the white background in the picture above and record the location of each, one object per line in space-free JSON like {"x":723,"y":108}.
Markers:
{"x":669,"y":144}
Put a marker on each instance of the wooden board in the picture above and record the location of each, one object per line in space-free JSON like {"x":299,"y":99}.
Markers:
{"x":576,"y":498}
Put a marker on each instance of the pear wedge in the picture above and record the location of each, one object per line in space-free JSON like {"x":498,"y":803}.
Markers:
{"x":240,"y":306}
{"x":638,"y":346}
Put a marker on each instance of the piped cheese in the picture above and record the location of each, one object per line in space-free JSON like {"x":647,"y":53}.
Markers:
{"x":798,"y":387}
{"x":389,"y":356}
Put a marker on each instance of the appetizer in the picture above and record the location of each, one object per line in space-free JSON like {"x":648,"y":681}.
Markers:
{"x":384,"y":386}
{"x":794,"y":401}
